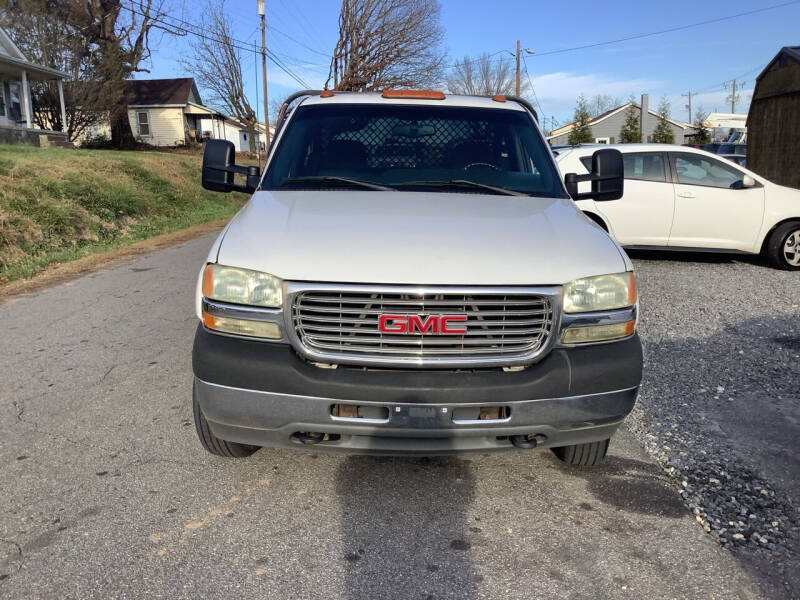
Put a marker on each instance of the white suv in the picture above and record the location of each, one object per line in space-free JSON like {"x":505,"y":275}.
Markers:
{"x":680,"y":198}
{"x":411,"y":276}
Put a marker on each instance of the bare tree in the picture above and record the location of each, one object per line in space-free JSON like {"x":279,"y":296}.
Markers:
{"x":387,"y":43}
{"x":484,"y":76}
{"x":600,"y":103}
{"x":216,"y":64}
{"x":119,"y":37}
{"x":101,"y":43}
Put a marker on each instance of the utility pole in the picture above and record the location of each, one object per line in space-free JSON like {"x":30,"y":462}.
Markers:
{"x":263,"y":13}
{"x":689,"y":105}
{"x":518,"y":86}
{"x":733,"y":97}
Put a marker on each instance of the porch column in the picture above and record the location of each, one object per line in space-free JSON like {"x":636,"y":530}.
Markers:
{"x":61,"y":102}
{"x":25,"y":99}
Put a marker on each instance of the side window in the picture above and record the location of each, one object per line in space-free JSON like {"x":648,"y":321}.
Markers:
{"x":647,"y":166}
{"x":696,"y":169}
{"x":143,"y":123}
{"x":644,"y":166}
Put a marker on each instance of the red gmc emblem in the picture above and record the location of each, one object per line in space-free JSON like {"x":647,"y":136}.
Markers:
{"x":429,"y":324}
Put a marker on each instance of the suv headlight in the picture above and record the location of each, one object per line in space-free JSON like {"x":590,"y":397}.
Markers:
{"x":600,"y":293}
{"x":603,"y":292}
{"x":242,"y":286}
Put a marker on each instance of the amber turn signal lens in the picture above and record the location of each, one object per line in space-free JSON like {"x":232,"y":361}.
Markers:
{"x":259,"y":329}
{"x":598,"y":333}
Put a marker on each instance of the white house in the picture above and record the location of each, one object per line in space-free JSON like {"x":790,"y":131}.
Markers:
{"x":16,"y":105}
{"x":219,"y":127}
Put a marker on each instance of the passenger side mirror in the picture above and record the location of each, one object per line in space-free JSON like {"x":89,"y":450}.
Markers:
{"x":219,"y":169}
{"x":748,"y":182}
{"x":607,"y":177}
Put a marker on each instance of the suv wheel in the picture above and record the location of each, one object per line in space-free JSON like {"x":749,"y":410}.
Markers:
{"x":783,"y":246}
{"x":211,"y":442}
{"x":583,"y":455}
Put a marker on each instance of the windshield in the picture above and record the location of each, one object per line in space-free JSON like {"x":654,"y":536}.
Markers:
{"x":431,"y":148}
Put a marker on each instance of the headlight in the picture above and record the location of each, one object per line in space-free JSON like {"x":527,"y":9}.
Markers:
{"x":603,"y":292}
{"x":242,"y":286}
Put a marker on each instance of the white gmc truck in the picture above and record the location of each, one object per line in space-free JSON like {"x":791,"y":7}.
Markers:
{"x":412,"y":276}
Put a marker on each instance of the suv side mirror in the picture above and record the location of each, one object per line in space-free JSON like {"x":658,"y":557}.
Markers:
{"x":607,"y":177}
{"x":219,"y":168}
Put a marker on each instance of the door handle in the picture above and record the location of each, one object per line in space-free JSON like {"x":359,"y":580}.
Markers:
{"x":686,"y":195}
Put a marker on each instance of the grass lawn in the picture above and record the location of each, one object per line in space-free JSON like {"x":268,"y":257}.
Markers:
{"x":58,"y":204}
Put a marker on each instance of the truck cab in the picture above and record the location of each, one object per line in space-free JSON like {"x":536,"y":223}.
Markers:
{"x":411,"y":276}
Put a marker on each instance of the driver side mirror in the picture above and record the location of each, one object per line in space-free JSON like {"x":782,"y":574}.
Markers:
{"x":748,"y":182}
{"x":607,"y":177}
{"x":219,"y":169}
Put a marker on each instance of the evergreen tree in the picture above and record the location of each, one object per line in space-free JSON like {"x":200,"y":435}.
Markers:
{"x":581,"y":131}
{"x":630,"y":132}
{"x":703,"y":135}
{"x":663,"y":131}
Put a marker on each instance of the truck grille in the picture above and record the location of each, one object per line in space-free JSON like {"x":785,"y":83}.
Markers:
{"x":341,"y":325}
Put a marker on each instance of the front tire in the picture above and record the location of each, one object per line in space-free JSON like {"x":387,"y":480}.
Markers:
{"x":212,"y":443}
{"x":783,"y":246}
{"x":583,"y":455}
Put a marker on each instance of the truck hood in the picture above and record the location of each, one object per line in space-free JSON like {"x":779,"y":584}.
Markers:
{"x":417,"y":238}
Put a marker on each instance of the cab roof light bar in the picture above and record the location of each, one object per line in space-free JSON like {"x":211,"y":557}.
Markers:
{"x":414,"y":94}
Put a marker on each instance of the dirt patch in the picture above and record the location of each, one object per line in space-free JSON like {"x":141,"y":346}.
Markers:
{"x":62,"y":272}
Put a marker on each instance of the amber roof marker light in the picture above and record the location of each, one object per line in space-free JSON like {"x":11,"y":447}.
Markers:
{"x":414,"y":94}
{"x":326,"y":94}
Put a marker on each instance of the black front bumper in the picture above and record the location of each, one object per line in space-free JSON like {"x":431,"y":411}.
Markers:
{"x":263,"y":393}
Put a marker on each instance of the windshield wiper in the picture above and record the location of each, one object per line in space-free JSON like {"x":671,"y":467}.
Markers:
{"x":331,"y":179}
{"x":466,"y":183}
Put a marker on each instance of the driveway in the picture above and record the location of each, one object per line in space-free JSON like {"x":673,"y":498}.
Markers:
{"x":106,"y":493}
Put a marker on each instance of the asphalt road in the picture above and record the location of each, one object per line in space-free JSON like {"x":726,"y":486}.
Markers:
{"x":106,"y":493}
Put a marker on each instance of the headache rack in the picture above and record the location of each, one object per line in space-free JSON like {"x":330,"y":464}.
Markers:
{"x":286,"y":107}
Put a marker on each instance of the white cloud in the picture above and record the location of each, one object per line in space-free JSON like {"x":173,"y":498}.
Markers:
{"x":558,"y":91}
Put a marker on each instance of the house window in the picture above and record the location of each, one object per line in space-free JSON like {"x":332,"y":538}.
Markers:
{"x":143,"y":123}
{"x":602,"y":140}
{"x":2,"y":99}
{"x":14,"y":101}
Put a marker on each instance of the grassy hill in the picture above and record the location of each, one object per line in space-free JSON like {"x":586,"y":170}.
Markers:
{"x":58,"y":204}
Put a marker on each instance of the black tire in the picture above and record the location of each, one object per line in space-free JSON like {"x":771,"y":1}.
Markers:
{"x":775,"y":250}
{"x":583,"y":455}
{"x":211,"y":442}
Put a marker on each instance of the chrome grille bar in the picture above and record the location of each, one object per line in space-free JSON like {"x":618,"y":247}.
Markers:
{"x":339,"y":323}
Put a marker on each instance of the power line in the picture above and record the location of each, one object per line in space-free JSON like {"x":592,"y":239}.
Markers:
{"x":298,"y":42}
{"x":670,"y":30}
{"x":530,"y":83}
{"x":188,"y":28}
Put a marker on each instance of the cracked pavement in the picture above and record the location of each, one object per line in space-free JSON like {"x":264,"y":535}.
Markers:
{"x":105,"y":492}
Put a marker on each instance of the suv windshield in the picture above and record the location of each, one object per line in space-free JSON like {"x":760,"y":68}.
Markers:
{"x":431,"y":148}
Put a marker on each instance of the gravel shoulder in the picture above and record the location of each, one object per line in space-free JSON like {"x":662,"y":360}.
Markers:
{"x":106,"y":493}
{"x":720,"y":402}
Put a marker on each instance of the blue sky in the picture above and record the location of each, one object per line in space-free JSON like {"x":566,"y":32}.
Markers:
{"x":303,"y":32}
